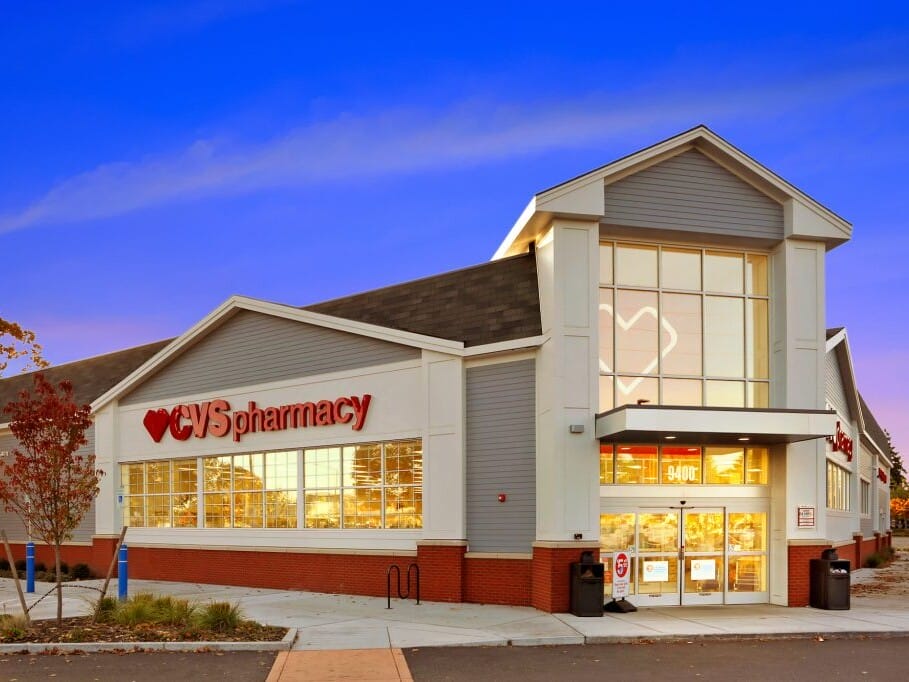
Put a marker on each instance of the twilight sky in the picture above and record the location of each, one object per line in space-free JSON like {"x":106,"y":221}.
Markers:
{"x":159,"y":157}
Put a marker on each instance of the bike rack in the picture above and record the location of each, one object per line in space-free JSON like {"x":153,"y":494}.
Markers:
{"x":413,"y":568}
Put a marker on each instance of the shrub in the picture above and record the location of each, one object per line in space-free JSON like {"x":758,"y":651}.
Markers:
{"x":20,"y":564}
{"x":139,"y":609}
{"x":40,"y":567}
{"x":220,"y":616}
{"x":172,"y":611}
{"x":64,"y":567}
{"x":13,"y":627}
{"x":873,"y":560}
{"x":4,"y":565}
{"x":81,"y":572}
{"x":105,"y":608}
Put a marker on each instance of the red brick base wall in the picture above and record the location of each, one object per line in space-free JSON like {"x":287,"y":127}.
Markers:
{"x":497,"y":581}
{"x":799,"y":556}
{"x":551,"y":575}
{"x":441,"y":572}
{"x":71,"y":554}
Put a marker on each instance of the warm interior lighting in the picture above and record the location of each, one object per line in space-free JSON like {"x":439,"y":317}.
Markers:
{"x":670,"y":437}
{"x":744,"y":439}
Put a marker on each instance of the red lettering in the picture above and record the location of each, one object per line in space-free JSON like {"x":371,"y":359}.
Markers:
{"x":198,"y":415}
{"x":218,"y":422}
{"x":272,"y":419}
{"x":339,"y":416}
{"x":176,"y":430}
{"x":324,"y":413}
{"x":213,"y":418}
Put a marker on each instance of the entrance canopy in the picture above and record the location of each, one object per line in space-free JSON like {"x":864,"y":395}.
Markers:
{"x":712,"y":425}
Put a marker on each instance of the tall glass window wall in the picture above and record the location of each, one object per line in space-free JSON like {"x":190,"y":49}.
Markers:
{"x":683,"y":326}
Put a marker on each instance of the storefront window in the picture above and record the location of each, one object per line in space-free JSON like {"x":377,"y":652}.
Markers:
{"x":724,"y":466}
{"x":680,"y":465}
{"x":636,"y":464}
{"x":682,"y":326}
{"x":839,"y":481}
{"x":373,"y":485}
{"x":683,"y":464}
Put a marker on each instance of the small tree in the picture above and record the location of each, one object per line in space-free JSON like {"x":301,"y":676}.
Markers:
{"x":897,"y":472}
{"x":48,"y":485}
{"x":15,"y":343}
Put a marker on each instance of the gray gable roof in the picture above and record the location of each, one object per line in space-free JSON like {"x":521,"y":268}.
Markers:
{"x":91,"y":378}
{"x":495,"y":301}
{"x":873,"y":428}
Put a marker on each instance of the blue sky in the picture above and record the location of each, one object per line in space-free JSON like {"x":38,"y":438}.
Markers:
{"x":159,"y":157}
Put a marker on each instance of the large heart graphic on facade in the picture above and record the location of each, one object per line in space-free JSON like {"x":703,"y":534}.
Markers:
{"x":156,"y":423}
{"x":628,"y":324}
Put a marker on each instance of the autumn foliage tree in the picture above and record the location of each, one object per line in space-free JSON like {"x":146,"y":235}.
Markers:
{"x":17,"y":343}
{"x":48,"y":484}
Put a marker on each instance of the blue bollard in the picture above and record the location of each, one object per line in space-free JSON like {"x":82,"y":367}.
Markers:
{"x":30,"y":567}
{"x":122,"y":573}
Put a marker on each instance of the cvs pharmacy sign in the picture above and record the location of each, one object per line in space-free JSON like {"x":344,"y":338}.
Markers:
{"x":216,"y":417}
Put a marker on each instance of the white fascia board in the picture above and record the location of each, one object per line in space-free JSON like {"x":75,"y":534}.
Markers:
{"x":516,"y":229}
{"x":235,"y":303}
{"x":505,"y":346}
{"x":841,"y":345}
{"x":724,"y":422}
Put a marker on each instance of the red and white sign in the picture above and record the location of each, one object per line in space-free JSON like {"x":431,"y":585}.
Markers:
{"x":215,"y":418}
{"x":841,"y":442}
{"x":621,"y":575}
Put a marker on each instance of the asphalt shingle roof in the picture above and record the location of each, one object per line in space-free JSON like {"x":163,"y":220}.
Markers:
{"x":91,"y":378}
{"x":873,"y":428}
{"x":495,"y":301}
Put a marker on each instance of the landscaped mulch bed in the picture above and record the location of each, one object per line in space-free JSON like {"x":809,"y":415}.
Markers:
{"x":889,"y":581}
{"x":85,"y":629}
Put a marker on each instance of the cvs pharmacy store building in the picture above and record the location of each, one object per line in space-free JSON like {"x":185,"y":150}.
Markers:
{"x":642,"y":366}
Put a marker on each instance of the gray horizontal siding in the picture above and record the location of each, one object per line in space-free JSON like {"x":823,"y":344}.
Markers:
{"x":253,"y":348}
{"x":690,"y":192}
{"x":11,"y":523}
{"x":835,"y":390}
{"x":501,"y":457}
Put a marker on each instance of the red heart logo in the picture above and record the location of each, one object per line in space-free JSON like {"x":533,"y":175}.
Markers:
{"x":156,"y":423}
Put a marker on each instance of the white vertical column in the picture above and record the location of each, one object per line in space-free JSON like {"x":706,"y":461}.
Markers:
{"x":799,"y":344}
{"x":444,"y":456}
{"x":568,"y":463}
{"x":108,"y":516}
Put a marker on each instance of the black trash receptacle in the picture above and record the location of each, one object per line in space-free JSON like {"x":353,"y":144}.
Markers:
{"x":829,"y":582}
{"x":587,"y":589}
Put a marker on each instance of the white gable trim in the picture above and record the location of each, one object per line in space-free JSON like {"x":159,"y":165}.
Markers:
{"x":839,"y":343}
{"x":583,"y":196}
{"x":236,"y":303}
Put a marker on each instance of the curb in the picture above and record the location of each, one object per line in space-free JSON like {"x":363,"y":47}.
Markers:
{"x":97,"y":647}
{"x":748,"y":636}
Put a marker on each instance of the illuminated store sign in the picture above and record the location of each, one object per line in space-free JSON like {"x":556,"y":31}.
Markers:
{"x":841,"y":442}
{"x":216,"y":418}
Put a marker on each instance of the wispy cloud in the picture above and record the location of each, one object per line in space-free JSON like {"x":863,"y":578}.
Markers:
{"x":167,"y":19}
{"x":400,"y":142}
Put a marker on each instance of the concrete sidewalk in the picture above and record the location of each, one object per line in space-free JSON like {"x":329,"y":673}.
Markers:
{"x":327,"y":621}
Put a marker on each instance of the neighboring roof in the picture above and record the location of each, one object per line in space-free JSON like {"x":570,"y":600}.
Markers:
{"x":873,"y":429}
{"x":487,"y":303}
{"x":833,"y":331}
{"x":582,"y":197}
{"x":90,"y":378}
